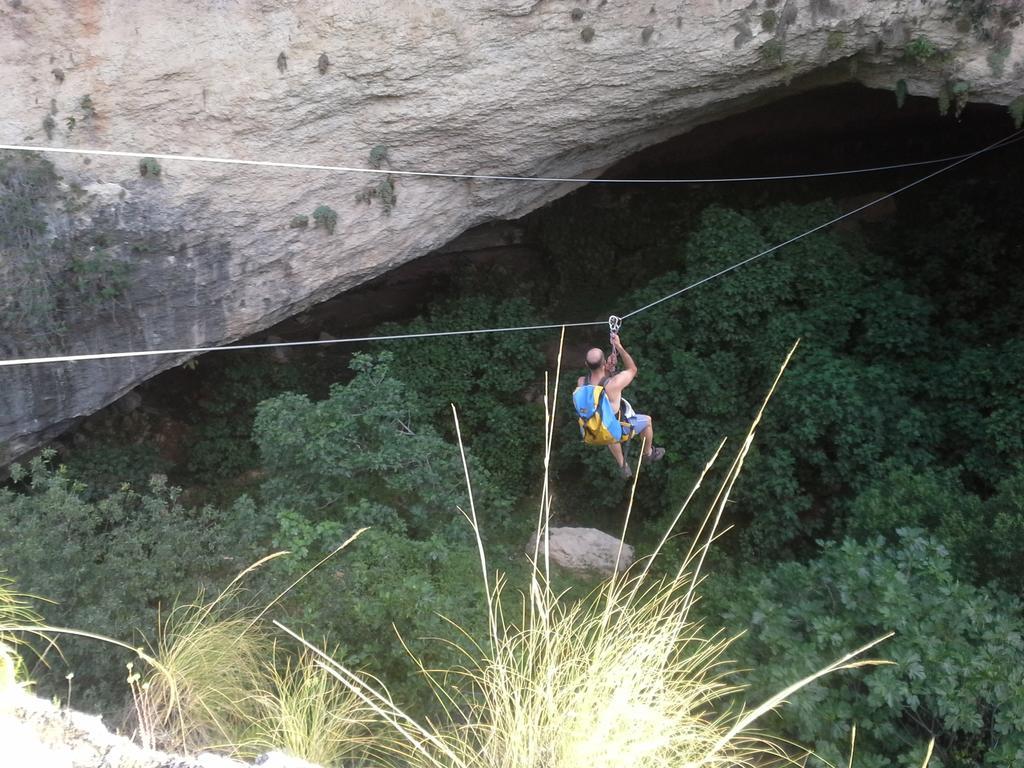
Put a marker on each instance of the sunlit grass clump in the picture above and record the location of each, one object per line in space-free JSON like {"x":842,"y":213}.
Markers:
{"x":217,"y":679}
{"x":17,"y":618}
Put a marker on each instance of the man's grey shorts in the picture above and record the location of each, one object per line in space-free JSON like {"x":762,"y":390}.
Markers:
{"x":640,"y":422}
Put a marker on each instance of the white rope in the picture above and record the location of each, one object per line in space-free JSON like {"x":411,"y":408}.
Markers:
{"x":272,"y":345}
{"x":830,"y":222}
{"x":469,"y":176}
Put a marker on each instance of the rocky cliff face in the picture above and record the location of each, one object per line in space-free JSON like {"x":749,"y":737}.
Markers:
{"x":106,"y":258}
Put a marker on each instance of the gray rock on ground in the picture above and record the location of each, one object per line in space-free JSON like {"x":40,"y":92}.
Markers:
{"x":585,"y":551}
{"x":35,"y":733}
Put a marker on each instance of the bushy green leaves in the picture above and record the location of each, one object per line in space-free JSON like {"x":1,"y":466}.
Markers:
{"x":110,"y":565}
{"x":495,"y":381}
{"x":367,"y":455}
{"x":957,"y":649}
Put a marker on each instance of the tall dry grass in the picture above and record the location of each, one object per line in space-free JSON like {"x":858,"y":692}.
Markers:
{"x":218,"y":679}
{"x":17,"y":619}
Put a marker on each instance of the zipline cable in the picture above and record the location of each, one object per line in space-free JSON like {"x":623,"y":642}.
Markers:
{"x":276,"y":344}
{"x":435,"y":334}
{"x":1002,"y":142}
{"x":464,"y":176}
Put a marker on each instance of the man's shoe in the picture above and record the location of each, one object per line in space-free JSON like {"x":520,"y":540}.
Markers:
{"x":655,"y":455}
{"x":625,"y":470}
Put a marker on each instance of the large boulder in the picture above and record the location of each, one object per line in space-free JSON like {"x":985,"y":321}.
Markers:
{"x":122,"y":256}
{"x":585,"y":551}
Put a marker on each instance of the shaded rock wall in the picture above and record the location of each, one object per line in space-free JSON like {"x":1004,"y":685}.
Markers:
{"x":531,"y":87}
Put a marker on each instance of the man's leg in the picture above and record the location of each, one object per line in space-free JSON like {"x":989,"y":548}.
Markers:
{"x":620,"y":459}
{"x":616,"y":449}
{"x":644,"y":428}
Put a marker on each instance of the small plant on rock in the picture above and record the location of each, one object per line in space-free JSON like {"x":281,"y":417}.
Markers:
{"x":771,"y":53}
{"x":920,"y":49}
{"x":587,"y":34}
{"x":1016,"y":110}
{"x":961,"y":90}
{"x":298,"y":222}
{"x":379,"y":156}
{"x":997,"y":61}
{"x":88,"y":108}
{"x":149,"y":168}
{"x":769,"y":20}
{"x":326,"y":217}
{"x":901,"y":93}
{"x":48,"y":126}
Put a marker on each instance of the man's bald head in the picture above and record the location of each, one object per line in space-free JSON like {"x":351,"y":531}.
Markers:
{"x":595,"y":359}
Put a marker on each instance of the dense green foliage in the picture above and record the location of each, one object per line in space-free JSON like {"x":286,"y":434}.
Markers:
{"x":111,"y":565}
{"x":956,"y":671}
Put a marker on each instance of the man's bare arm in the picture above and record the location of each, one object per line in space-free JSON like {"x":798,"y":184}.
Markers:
{"x":624,"y":378}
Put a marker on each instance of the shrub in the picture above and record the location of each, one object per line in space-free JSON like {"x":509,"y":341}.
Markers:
{"x":378,"y":156}
{"x":587,"y":34}
{"x":769,"y":20}
{"x":945,"y":99}
{"x":956,"y":651}
{"x":960,"y":91}
{"x":386,"y":194}
{"x":120,"y":559}
{"x":771,"y":53}
{"x":901,"y":93}
{"x":325,"y":217}
{"x":101,"y":468}
{"x":298,"y":222}
{"x":373,"y":429}
{"x":88,"y":108}
{"x":149,"y":167}
{"x":920,"y":49}
{"x":997,"y":61}
{"x":1016,"y":110}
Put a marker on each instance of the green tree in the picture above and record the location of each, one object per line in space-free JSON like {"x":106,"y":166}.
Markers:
{"x":111,"y":565}
{"x":956,"y":652}
{"x":367,"y":455}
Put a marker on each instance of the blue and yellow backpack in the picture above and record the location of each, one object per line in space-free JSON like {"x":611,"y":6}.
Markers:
{"x":599,"y":424}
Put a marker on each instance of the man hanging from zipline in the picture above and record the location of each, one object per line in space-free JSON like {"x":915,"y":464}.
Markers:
{"x":605,"y":417}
